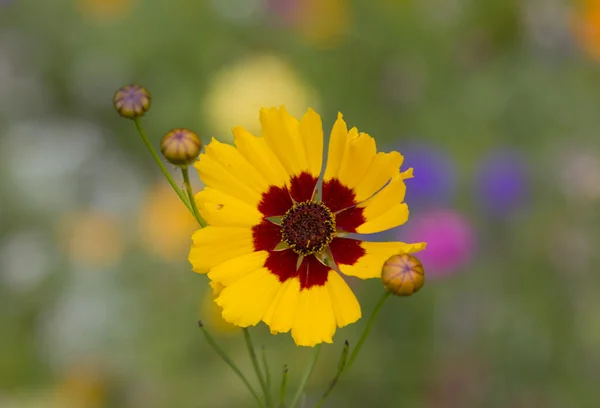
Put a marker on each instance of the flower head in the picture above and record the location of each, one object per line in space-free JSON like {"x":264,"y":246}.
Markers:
{"x":180,"y":147}
{"x":132,"y":101}
{"x":277,"y":236}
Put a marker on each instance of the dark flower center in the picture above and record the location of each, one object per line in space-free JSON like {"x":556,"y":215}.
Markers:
{"x":308,"y":227}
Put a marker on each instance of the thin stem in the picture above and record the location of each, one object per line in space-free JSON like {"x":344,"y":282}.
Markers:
{"x":254,"y":359}
{"x":341,"y":366}
{"x":283,"y":387}
{"x":188,"y":187}
{"x":306,"y":376}
{"x":267,"y":371}
{"x":138,"y":125}
{"x":367,"y":330}
{"x":211,"y":341}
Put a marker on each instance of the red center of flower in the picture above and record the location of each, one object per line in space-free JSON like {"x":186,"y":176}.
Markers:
{"x":308,"y":227}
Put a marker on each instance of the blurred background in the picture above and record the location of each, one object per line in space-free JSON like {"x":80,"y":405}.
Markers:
{"x":494,"y":103}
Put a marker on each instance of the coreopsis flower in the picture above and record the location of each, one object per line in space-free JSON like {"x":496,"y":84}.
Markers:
{"x":277,"y":236}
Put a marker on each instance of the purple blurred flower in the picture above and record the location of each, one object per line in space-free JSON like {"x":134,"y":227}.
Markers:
{"x":450,"y":241}
{"x":434,"y":176}
{"x":502,"y":182}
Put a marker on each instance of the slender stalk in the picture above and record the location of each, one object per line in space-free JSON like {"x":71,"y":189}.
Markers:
{"x":367,"y":330}
{"x":254,"y":359}
{"x":283,"y":387}
{"x":266,"y":367}
{"x":188,"y":187}
{"x":341,"y":366}
{"x":306,"y":376}
{"x":211,"y":341}
{"x":140,"y":129}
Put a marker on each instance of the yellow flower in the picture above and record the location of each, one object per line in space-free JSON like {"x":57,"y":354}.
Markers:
{"x":277,"y":240}
{"x":237,"y":92}
{"x":165,"y":223}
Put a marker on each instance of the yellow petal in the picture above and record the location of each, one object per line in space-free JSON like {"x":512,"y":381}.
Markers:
{"x":256,"y":151}
{"x":213,"y":245}
{"x":223,"y":167}
{"x":345,"y":306}
{"x":221,"y":209}
{"x":282,"y":311}
{"x":360,"y":151}
{"x":337,"y":148}
{"x":376,"y":253}
{"x":385,"y":209}
{"x":311,"y":130}
{"x":314,"y":322}
{"x":282,"y":134}
{"x":233,"y":269}
{"x":245,"y":301}
{"x":354,"y":161}
{"x":382,"y":168}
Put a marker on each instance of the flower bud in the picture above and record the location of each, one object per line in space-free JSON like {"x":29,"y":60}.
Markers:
{"x":402,"y":275}
{"x":181,"y":147}
{"x":132,"y":101}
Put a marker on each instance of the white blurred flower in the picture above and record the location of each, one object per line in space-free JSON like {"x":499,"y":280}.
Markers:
{"x":580,"y":175}
{"x":26,"y":258}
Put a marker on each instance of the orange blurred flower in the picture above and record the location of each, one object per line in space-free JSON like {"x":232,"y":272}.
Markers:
{"x":324,"y":22}
{"x":587,"y":26}
{"x":166,"y":224}
{"x":84,"y":386}
{"x":91,"y":238}
{"x":104,"y":10}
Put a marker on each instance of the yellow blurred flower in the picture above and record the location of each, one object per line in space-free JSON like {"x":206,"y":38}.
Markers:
{"x":210,"y":312}
{"x":104,"y":10}
{"x":83,"y":387}
{"x":166,"y":224}
{"x":91,"y":238}
{"x":587,"y":26}
{"x":238,"y":92}
{"x":324,"y":22}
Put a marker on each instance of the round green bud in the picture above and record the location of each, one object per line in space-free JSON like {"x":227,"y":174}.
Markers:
{"x":132,"y":101}
{"x":402,"y":275}
{"x":181,"y":147}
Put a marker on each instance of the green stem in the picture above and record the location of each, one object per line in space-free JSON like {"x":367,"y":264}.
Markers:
{"x":138,"y":125}
{"x":283,"y":387}
{"x":267,"y":371}
{"x":341,"y":366}
{"x":211,"y":341}
{"x":306,"y":376}
{"x":254,"y":359}
{"x":367,"y":330}
{"x":188,"y":187}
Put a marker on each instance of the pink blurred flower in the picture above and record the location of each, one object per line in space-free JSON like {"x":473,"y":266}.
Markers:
{"x":450,"y":241}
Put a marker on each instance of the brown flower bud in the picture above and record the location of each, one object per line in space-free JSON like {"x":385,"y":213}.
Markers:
{"x":181,"y":147}
{"x":402,"y":275}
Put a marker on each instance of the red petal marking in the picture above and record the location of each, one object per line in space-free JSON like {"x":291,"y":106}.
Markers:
{"x":303,"y":186}
{"x":283,"y":265}
{"x":266,"y":236}
{"x":337,"y":196}
{"x":276,"y":201}
{"x":350,"y":219}
{"x":346,"y":251}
